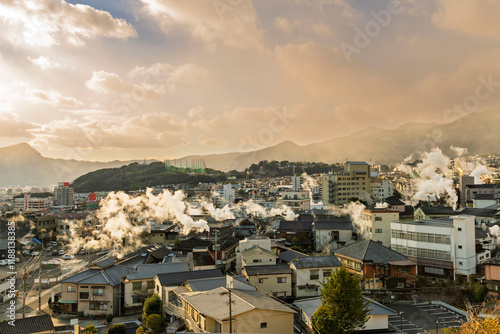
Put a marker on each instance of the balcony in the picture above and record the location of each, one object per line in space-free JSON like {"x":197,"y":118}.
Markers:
{"x":182,"y":313}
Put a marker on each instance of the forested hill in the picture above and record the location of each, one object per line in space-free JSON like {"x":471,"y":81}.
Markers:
{"x":139,"y":176}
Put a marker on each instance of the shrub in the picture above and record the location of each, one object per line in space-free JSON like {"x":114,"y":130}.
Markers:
{"x":117,"y":329}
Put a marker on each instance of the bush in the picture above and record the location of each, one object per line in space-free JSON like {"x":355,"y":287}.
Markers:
{"x":117,"y":329}
{"x":90,"y":329}
{"x":109,"y":318}
{"x":140,"y":330}
{"x":80,"y":314}
{"x":155,"y":322}
{"x":152,"y":305}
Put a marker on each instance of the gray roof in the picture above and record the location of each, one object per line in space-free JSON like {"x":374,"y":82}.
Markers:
{"x":326,"y":261}
{"x":40,"y":323}
{"x":311,"y":305}
{"x":149,"y":271}
{"x":480,"y":234}
{"x":484,"y":197}
{"x":290,"y":255}
{"x":341,"y":223}
{"x":492,"y":213}
{"x":370,"y":251}
{"x":296,"y":226}
{"x":481,"y":186}
{"x":268,"y":270}
{"x":170,"y":279}
{"x":356,"y":163}
{"x":254,"y":250}
{"x":111,"y":275}
{"x":437,"y":210}
{"x":215,"y":282}
{"x":105,"y":263}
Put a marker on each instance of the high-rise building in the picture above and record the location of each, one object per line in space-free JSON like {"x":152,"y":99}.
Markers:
{"x":63,"y":194}
{"x":353,"y":182}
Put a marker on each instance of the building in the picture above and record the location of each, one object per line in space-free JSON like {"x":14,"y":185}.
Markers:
{"x":224,"y":195}
{"x":63,"y":195}
{"x":296,"y":233}
{"x":433,"y":212}
{"x":492,"y":276}
{"x":472,"y":190}
{"x":30,"y":325}
{"x":251,"y":311}
{"x":161,"y":234}
{"x":378,"y":266}
{"x":309,"y":271}
{"x":375,"y":224}
{"x":381,"y":189}
{"x":275,"y":280}
{"x":93,"y":202}
{"x":297,"y":200}
{"x":441,"y":247}
{"x":32,"y":204}
{"x":353,"y":182}
{"x":378,"y":316}
{"x":332,"y":233}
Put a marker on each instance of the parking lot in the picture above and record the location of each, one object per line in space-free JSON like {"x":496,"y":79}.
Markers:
{"x":415,"y":319}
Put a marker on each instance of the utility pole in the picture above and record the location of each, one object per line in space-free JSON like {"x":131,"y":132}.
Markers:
{"x":230,"y":313}
{"x":24,"y":293}
{"x":216,"y":247}
{"x":40,"y":283}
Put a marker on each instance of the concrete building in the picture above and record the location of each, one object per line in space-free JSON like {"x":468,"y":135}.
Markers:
{"x":63,"y":195}
{"x":354,"y":181}
{"x":224,"y":195}
{"x":440,"y":247}
{"x":32,"y":204}
{"x":375,"y":224}
{"x":472,"y":190}
{"x":332,"y":233}
{"x":381,"y":189}
{"x":297,"y":200}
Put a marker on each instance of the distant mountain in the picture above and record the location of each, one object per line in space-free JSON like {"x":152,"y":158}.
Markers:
{"x":22,"y":165}
{"x":478,"y":132}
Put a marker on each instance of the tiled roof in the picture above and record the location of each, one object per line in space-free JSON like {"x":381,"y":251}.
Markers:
{"x":268,"y":270}
{"x":292,"y":225}
{"x":149,"y":271}
{"x":326,"y":261}
{"x":480,"y":212}
{"x":369,"y":251}
{"x":178,"y":278}
{"x":290,"y":255}
{"x":256,"y":250}
{"x":438,"y":210}
{"x":40,"y":323}
{"x":311,"y":305}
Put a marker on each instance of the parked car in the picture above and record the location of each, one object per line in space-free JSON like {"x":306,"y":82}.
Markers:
{"x":35,"y":253}
{"x":3,"y":263}
{"x":55,"y":252}
{"x":67,"y":257}
{"x":53,"y":243}
{"x":82,"y":251}
{"x":48,"y":249}
{"x":61,"y":252}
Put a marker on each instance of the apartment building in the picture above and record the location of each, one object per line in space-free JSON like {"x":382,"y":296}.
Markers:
{"x":381,"y":189}
{"x":224,"y":195}
{"x":441,"y":247}
{"x":297,"y":200}
{"x":63,"y":194}
{"x":32,"y":204}
{"x":354,"y":181}
{"x":375,"y":224}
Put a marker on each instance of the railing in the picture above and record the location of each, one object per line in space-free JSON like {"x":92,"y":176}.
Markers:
{"x":182,"y":313}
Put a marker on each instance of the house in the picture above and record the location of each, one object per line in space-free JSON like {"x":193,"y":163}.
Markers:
{"x":224,"y":251}
{"x":139,"y":284}
{"x":290,"y":255}
{"x":492,"y":276}
{"x":275,"y":280}
{"x":251,"y":311}
{"x":379,"y":267}
{"x":332,"y":233}
{"x":296,"y":233}
{"x":186,"y":246}
{"x":378,"y":316}
{"x":161,"y":234}
{"x":395,"y":203}
{"x":483,"y":217}
{"x":31,"y":325}
{"x":432,"y":212}
{"x":441,"y":248}
{"x":309,"y":271}
{"x":200,"y":259}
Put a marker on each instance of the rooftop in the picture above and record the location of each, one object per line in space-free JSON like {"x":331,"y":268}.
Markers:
{"x":268,"y":270}
{"x":326,"y":261}
{"x":40,"y":323}
{"x":178,"y":278}
{"x":370,"y":251}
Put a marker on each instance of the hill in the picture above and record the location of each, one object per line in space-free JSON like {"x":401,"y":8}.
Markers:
{"x":139,"y":176}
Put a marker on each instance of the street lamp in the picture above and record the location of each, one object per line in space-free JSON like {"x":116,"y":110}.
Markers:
{"x":437,"y":326}
{"x":401,"y":316}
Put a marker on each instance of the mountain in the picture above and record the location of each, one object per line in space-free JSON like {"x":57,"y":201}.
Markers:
{"x":478,"y":132}
{"x":22,"y":165}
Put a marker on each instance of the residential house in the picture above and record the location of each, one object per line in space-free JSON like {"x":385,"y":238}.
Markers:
{"x":492,"y":276}
{"x":309,"y":271}
{"x":275,"y":280}
{"x":161,"y":234}
{"x":256,"y":256}
{"x":332,"y":233}
{"x":441,"y":247}
{"x":378,"y":315}
{"x":200,"y":259}
{"x":186,"y":246}
{"x":297,"y":200}
{"x":375,"y":224}
{"x":296,"y":233}
{"x":395,"y":203}
{"x":290,"y":255}
{"x":433,"y":212}
{"x":379,"y":267}
{"x":251,"y":311}
{"x":139,"y":284}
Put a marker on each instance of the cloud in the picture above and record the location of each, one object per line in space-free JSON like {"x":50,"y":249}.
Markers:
{"x":11,"y":126}
{"x":302,"y":26}
{"x":232,"y":23}
{"x":157,"y":130}
{"x":52,"y":98}
{"x":475,"y":18}
{"x":196,"y":112}
{"x":104,"y":82}
{"x":52,"y":22}
{"x":44,"y":63}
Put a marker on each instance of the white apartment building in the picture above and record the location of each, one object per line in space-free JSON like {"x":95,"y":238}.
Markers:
{"x":224,"y":195}
{"x":63,"y":194}
{"x":440,"y":247}
{"x":354,"y":181}
{"x":375,"y":224}
{"x":297,"y":200}
{"x":381,"y":189}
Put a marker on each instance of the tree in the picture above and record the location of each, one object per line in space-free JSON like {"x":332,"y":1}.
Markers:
{"x":117,"y":329}
{"x":152,"y":305}
{"x":155,"y":323}
{"x":140,"y":330}
{"x":343,"y":308}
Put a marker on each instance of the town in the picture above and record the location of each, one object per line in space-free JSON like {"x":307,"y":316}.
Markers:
{"x":253,"y":253}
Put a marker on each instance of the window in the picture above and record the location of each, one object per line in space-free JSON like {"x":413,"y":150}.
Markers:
{"x":151,"y":285}
{"x":460,"y":263}
{"x":136,"y":285}
{"x":98,"y":291}
{"x":378,"y":230}
{"x":459,"y":229}
{"x":378,"y":219}
{"x":257,"y":260}
{"x":281,"y":279}
{"x":263,"y":325}
{"x":84,"y":295}
{"x":459,"y":246}
{"x":261,"y":280}
{"x":71,"y":288}
{"x":98,"y":306}
{"x":327,"y":273}
{"x":84,"y":287}
{"x":136,"y":300}
{"x":314,"y":274}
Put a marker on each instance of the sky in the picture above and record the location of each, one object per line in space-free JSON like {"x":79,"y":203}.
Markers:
{"x":133,"y":79}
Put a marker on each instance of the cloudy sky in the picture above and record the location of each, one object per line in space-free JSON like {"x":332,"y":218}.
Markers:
{"x":102,"y":80}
